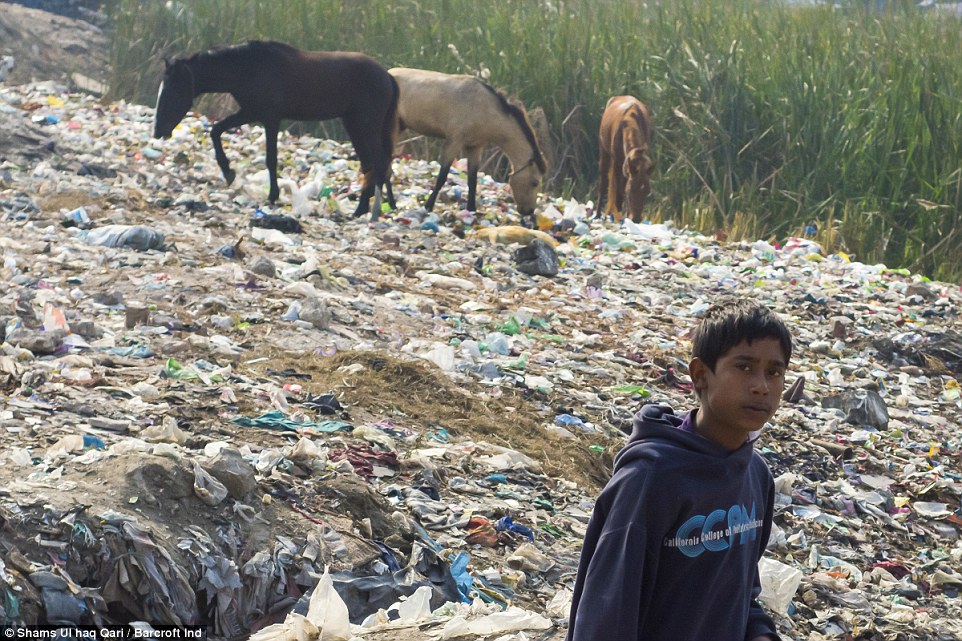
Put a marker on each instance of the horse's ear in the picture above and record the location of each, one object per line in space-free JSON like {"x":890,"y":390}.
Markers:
{"x":167,"y":64}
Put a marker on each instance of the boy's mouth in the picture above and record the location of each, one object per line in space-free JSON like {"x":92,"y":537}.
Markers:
{"x":758,"y":409}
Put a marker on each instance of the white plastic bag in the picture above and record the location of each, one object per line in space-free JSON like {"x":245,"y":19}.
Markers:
{"x":779,"y":583}
{"x":294,"y":628}
{"x":416,"y":607}
{"x":328,"y":611}
{"x":327,"y":619}
{"x":207,"y":488}
{"x":560,"y":606}
{"x":513,"y":619}
{"x":166,"y":432}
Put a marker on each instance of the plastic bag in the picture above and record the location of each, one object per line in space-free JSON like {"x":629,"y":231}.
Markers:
{"x":166,"y":432}
{"x":416,"y":607}
{"x":326,"y":620}
{"x":511,"y":620}
{"x":560,"y":605}
{"x":328,"y":611}
{"x":779,"y":583}
{"x":133,"y":236}
{"x":529,"y":559}
{"x":207,"y":488}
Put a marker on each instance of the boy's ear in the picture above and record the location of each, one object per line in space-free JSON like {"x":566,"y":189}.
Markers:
{"x":698,"y":370}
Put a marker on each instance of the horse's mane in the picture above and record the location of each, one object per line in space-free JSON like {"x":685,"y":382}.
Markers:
{"x":518,"y":113}
{"x":230,"y":51}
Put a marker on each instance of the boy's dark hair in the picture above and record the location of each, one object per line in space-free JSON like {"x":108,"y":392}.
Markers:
{"x":728,"y":323}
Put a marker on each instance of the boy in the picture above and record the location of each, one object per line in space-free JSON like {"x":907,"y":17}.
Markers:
{"x":672,"y":549}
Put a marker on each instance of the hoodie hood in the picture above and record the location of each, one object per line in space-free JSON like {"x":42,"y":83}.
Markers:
{"x":656,"y":429}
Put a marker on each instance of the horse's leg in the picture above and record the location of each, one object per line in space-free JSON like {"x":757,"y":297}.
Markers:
{"x":388,"y":189}
{"x":368,"y":189}
{"x":270,"y":132}
{"x":390,"y":193}
{"x":363,"y":135}
{"x":616,"y":195}
{"x":439,"y":183}
{"x":604,"y":163}
{"x":231,"y":121}
{"x":376,"y":207}
{"x":473,"y":155}
{"x":448,"y":154}
{"x":381,"y":177}
{"x":617,"y":181}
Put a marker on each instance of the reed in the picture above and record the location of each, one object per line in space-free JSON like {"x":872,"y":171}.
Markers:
{"x":770,"y":117}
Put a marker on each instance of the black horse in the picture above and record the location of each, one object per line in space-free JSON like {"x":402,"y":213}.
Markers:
{"x":272,"y":81}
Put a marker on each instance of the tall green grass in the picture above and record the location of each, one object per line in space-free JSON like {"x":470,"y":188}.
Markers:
{"x":781,"y":116}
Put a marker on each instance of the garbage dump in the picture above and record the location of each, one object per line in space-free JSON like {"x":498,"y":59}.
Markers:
{"x":279,"y":420}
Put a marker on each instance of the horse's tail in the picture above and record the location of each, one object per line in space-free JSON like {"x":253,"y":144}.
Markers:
{"x":390,"y":132}
{"x":391,"y":124}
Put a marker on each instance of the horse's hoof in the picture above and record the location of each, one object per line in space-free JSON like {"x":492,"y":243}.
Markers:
{"x":229,"y":176}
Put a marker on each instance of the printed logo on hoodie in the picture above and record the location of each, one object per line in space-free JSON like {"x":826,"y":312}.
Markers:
{"x":716,"y":532}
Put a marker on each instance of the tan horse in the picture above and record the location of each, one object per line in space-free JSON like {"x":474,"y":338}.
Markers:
{"x":469,"y":114}
{"x":624,"y":166}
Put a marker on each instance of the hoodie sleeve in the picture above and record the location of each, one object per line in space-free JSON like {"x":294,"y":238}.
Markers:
{"x":609,"y":593}
{"x":611,"y":597}
{"x":759,"y":622}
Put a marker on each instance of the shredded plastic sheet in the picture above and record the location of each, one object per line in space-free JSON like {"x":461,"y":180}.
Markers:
{"x":277,"y":420}
{"x":144,"y":579}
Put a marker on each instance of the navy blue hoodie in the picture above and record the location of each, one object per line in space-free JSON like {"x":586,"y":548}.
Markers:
{"x":672,"y":548}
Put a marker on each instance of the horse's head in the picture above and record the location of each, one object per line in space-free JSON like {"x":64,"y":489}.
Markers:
{"x":174,"y":98}
{"x":525,"y":185}
{"x":637,"y":169}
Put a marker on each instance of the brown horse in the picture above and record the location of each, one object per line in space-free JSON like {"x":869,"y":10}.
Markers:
{"x":624,"y":166}
{"x":469,"y":114}
{"x":272,"y":81}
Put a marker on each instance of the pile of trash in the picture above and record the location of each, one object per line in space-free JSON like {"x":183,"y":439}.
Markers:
{"x":282,"y":420}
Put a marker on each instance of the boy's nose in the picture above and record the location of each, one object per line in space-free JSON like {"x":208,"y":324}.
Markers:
{"x":760,"y":385}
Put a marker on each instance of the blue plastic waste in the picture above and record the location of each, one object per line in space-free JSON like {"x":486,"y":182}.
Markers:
{"x":568,"y":419}
{"x":91,"y":441}
{"x":506,"y":523}
{"x":459,"y":570}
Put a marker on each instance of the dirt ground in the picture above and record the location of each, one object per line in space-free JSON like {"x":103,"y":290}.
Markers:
{"x":46,"y":46}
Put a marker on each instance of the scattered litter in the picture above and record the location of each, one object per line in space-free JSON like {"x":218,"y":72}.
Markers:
{"x":206,"y":417}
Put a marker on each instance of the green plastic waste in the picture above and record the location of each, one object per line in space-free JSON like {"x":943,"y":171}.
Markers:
{"x":632,"y":389}
{"x":510,"y":328}
{"x":173,"y":369}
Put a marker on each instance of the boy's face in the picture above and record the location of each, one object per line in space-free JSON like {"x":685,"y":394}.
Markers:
{"x":742,"y":393}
